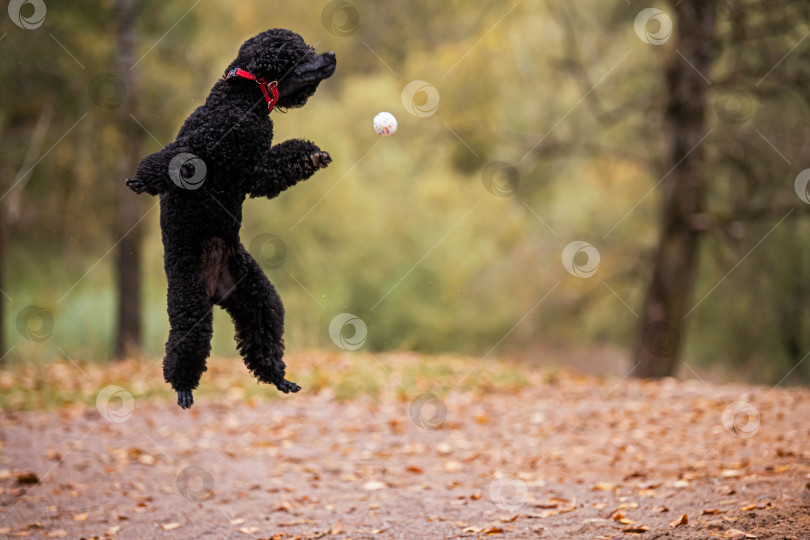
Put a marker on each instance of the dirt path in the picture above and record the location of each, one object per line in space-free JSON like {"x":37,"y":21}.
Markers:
{"x":577,"y":457}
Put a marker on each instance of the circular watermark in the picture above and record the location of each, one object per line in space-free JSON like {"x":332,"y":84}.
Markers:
{"x":35,"y":323}
{"x":500,"y":178}
{"x":661,"y":339}
{"x":427,"y":411}
{"x":340,"y":18}
{"x":115,"y":404}
{"x":195,"y":484}
{"x":187,"y":171}
{"x":107,"y":90}
{"x":270,"y":250}
{"x":580,"y":259}
{"x":420,"y":98}
{"x":358,"y":333}
{"x":508,"y":494}
{"x":27,"y":14}
{"x":800,"y":185}
{"x":734,"y":108}
{"x":653,"y":26}
{"x":741,"y":419}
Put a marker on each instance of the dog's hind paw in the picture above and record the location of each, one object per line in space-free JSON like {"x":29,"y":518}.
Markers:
{"x":287,"y":386}
{"x":185,"y":399}
{"x":320,"y":159}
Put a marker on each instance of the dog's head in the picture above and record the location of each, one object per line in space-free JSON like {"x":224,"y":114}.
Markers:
{"x":283,"y":56}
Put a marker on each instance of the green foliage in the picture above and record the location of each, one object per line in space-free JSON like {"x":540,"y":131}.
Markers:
{"x":401,"y":231}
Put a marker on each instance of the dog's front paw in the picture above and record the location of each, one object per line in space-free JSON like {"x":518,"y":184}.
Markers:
{"x":185,"y":399}
{"x":320,"y":159}
{"x":138,"y":186}
{"x":287,"y":386}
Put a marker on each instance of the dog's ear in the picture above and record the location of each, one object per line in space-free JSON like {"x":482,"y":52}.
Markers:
{"x":246,"y":53}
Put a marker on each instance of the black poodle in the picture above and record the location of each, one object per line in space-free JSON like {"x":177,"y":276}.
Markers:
{"x":222,"y":153}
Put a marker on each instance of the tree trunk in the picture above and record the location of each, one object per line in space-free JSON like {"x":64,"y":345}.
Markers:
{"x":128,"y":263}
{"x":3,"y":259}
{"x":669,"y":292}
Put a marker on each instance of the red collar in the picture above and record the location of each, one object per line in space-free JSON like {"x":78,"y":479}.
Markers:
{"x":269,"y":89}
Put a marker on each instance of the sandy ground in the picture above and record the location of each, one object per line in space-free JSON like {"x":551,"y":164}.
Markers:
{"x":573,"y":457}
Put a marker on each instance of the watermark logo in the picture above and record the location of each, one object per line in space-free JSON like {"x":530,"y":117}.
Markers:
{"x":741,"y":419}
{"x":661,"y":339}
{"x":800,"y":185}
{"x":107,"y":90}
{"x":340,"y":18}
{"x":500,"y":178}
{"x":27,"y":14}
{"x":187,"y":171}
{"x":734,"y":108}
{"x":508,"y":494}
{"x":653,"y":26}
{"x":35,"y":323}
{"x":427,"y":411}
{"x":195,"y":484}
{"x":115,"y":404}
{"x":337,"y":331}
{"x":580,"y":259}
{"x":420,"y":98}
{"x":269,"y":250}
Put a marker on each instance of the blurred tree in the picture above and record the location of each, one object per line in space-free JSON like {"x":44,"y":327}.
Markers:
{"x":720,"y":176}
{"x":739,"y":48}
{"x":683,"y":188}
{"x":130,"y":209}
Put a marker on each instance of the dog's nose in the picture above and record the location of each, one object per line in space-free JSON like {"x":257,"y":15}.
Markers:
{"x":330,"y":56}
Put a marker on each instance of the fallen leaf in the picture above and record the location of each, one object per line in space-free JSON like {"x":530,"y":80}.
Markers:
{"x":636,"y":529}
{"x":112,"y":530}
{"x":337,"y":528}
{"x":731,"y":533}
{"x":708,"y":511}
{"x":171,"y":526}
{"x":678,"y":522}
{"x":237,"y":521}
{"x":27,"y":479}
{"x":80,"y":517}
{"x":749,"y":507}
{"x":58,"y":533}
{"x":414,"y":469}
{"x":604,"y":486}
{"x":248,"y":530}
{"x":493,"y":530}
{"x":373,"y":485}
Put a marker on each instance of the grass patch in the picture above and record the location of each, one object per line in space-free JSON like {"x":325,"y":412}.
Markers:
{"x":348,"y":376}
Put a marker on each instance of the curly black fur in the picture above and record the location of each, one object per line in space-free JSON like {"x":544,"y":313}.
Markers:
{"x":205,"y":262}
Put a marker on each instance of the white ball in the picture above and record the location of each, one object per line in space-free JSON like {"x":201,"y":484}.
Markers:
{"x":385,"y":124}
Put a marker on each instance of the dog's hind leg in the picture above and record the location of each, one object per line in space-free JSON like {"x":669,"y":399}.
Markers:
{"x":258,"y":315}
{"x":191,"y":322}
